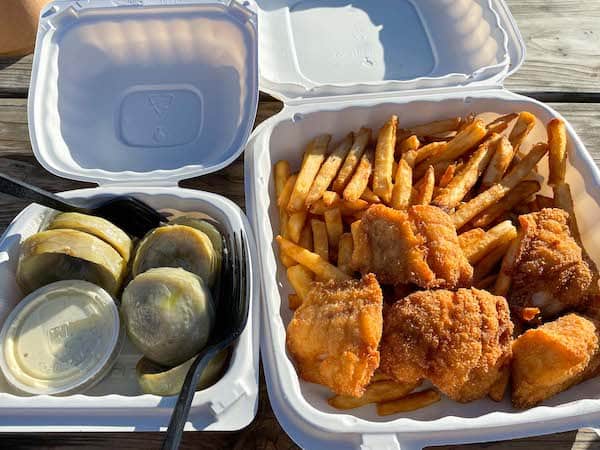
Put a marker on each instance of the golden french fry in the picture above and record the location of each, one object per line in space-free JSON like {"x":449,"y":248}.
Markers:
{"x":361,"y":139}
{"x":557,"y":151}
{"x":503,"y":281}
{"x":294,"y":301}
{"x":306,"y":239}
{"x":450,"y":196}
{"x":514,"y":197}
{"x":369,"y":196}
{"x":320,"y":239}
{"x":486,"y":282}
{"x":429,"y":150}
{"x":524,"y":125}
{"x":437,"y":127}
{"x":411,"y":402}
{"x":494,"y":237}
{"x":301,"y":280}
{"x":423,"y":192}
{"x":448,"y":174}
{"x":488,"y":197}
{"x":295,"y":224}
{"x":329,"y":170}
{"x":466,"y":121}
{"x":312,"y":261}
{"x":468,"y":138}
{"x":487,"y":264}
{"x":282,"y":200}
{"x":313,"y":158}
{"x":282,"y":173}
{"x":402,"y":190}
{"x":410,"y":143}
{"x":334,"y":225}
{"x":498,"y":389}
{"x":499,"y":163}
{"x":384,"y":159}
{"x":544,"y":202}
{"x":359,"y":181}
{"x":379,"y":391}
{"x":470,"y":238}
{"x":564,"y":200}
{"x":284,"y":196}
{"x":348,"y":206}
{"x":345,"y":247}
{"x":501,"y":123}
{"x":330,"y":198}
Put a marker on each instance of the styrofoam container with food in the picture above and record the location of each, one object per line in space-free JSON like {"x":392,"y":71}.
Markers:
{"x":134,"y":97}
{"x":339,"y":66}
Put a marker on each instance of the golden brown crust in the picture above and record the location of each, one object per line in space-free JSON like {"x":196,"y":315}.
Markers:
{"x":417,"y":246}
{"x":335,"y":333}
{"x":458,"y":340}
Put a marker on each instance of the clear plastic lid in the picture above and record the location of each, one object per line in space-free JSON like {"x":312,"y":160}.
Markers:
{"x":142,"y":92}
{"x":62,"y":338}
{"x":322,"y":48}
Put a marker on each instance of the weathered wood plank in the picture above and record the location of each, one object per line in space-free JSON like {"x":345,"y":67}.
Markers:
{"x":562,"y":38}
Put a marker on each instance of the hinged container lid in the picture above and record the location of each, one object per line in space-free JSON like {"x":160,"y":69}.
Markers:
{"x":323,"y":48}
{"x":142,"y":92}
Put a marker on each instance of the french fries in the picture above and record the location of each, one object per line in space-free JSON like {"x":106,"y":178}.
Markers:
{"x":498,"y":164}
{"x":494,"y":237}
{"x":334,"y":225}
{"x":283,"y":197}
{"x":361,"y":140}
{"x":437,"y":127}
{"x":345,"y":248}
{"x":564,"y":200}
{"x":295,"y":224}
{"x":501,"y":123}
{"x":429,"y":150}
{"x":524,"y":125}
{"x":423,"y":192}
{"x":313,"y":158}
{"x":378,"y":391}
{"x":369,"y":196}
{"x":360,"y":180}
{"x":411,"y":402}
{"x":503,"y":281}
{"x":447,"y":175}
{"x":402,"y":189}
{"x":320,"y":238}
{"x":488,"y":262}
{"x":329,"y":170}
{"x":557,"y":151}
{"x":301,"y":279}
{"x":470,"y":238}
{"x":282,"y":173}
{"x":330,"y":198}
{"x":384,"y":159}
{"x":306,"y":237}
{"x":519,"y":194}
{"x":408,"y":144}
{"x":312,"y":261}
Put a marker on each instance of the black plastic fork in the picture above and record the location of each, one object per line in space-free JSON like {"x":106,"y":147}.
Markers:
{"x":232,"y":315}
{"x":128,"y":213}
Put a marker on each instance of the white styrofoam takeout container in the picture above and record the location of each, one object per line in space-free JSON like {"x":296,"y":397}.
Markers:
{"x":136,"y":96}
{"x":339,"y":65}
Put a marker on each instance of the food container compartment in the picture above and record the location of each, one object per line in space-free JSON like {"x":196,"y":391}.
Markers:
{"x":301,"y":407}
{"x":136,"y":97}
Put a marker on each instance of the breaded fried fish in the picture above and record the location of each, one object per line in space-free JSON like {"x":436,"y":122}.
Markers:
{"x":335,"y":333}
{"x":417,"y":246}
{"x":459,"y":340}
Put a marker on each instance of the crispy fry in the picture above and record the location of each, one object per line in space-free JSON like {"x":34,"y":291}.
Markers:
{"x":369,"y":196}
{"x":494,"y":237}
{"x":466,"y":121}
{"x":335,"y":226}
{"x":528,"y":313}
{"x":359,"y":181}
{"x":306,"y":238}
{"x":348,"y":206}
{"x":329,"y":170}
{"x":294,"y":301}
{"x":501,"y":123}
{"x":447,"y":175}
{"x":284,"y":196}
{"x":408,"y":144}
{"x":488,"y":197}
{"x":424,"y":188}
{"x":313,"y":158}
{"x":319,"y":266}
{"x":485,"y":283}
{"x":295,"y":225}
{"x":518,"y":195}
{"x":557,"y":151}
{"x":437,"y":127}
{"x":402,"y":186}
{"x":487,"y":264}
{"x":450,"y":196}
{"x":282,"y":173}
{"x":379,"y":391}
{"x":282,"y":200}
{"x":499,"y":387}
{"x":429,"y":150}
{"x":503,"y":281}
{"x":499,"y":163}
{"x":301,"y":279}
{"x":564,"y":200}
{"x":320,"y":239}
{"x":411,"y":402}
{"x":330,"y":198}
{"x":469,"y":239}
{"x":361,"y":140}
{"x":345,"y":248}
{"x":384,"y":159}
{"x":524,"y":125}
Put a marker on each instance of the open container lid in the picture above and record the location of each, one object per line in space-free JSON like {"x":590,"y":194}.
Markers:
{"x":142,"y":92}
{"x":323,"y":48}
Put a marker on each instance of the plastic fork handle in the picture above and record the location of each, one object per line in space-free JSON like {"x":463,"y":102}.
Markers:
{"x":184,"y":401}
{"x":20,"y":189}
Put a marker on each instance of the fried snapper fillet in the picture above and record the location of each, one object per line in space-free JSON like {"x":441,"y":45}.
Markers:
{"x":550,"y":271}
{"x":335,"y":333}
{"x":460,"y":340}
{"x":553,"y":357}
{"x":417,"y":246}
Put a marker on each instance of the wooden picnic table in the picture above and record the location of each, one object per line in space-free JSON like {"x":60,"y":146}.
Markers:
{"x":562,"y":68}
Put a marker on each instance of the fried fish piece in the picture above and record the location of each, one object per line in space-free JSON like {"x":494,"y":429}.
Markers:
{"x":460,"y":340}
{"x":335,"y":333}
{"x":550,"y":271}
{"x":553,"y":357}
{"x":417,"y":246}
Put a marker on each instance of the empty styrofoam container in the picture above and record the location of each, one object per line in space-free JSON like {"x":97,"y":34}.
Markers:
{"x":339,"y":65}
{"x":135,"y":96}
